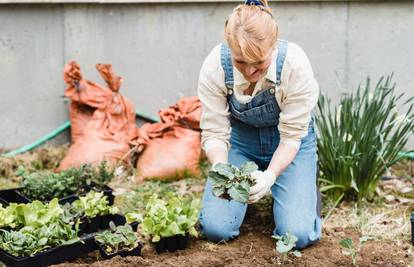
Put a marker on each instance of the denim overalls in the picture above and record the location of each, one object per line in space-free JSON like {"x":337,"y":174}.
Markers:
{"x":255,"y":137}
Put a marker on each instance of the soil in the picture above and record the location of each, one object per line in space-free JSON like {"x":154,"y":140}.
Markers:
{"x":255,"y":247}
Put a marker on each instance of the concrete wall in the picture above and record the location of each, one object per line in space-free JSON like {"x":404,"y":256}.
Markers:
{"x":159,"y":48}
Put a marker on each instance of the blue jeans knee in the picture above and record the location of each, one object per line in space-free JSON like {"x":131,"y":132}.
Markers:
{"x":217,"y":231}
{"x":307,"y":233}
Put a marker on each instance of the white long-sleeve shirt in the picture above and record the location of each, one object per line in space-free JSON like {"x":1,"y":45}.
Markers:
{"x":296,"y":96}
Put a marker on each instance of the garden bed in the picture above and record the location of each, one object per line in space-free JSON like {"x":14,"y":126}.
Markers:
{"x":387,"y":219}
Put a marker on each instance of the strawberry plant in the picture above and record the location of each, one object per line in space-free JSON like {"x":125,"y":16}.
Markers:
{"x":174,"y":216}
{"x":117,"y":238}
{"x":285,"y":245}
{"x":230,"y":182}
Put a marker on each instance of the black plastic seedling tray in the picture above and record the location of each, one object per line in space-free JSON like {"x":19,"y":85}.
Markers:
{"x":65,"y":253}
{"x":51,"y":256}
{"x":123,"y":253}
{"x":16,"y":195}
{"x":102,"y":223}
{"x":12,"y":196}
{"x":171,"y":244}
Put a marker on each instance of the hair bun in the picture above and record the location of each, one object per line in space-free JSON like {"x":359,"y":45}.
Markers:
{"x":256,"y":3}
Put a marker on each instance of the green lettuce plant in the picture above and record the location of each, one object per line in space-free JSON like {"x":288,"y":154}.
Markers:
{"x":174,"y":216}
{"x":35,"y":214}
{"x":361,"y":138}
{"x":230,"y":182}
{"x":35,"y":227}
{"x":92,"y":205}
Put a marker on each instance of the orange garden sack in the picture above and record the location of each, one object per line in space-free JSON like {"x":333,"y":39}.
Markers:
{"x":102,"y":120}
{"x":171,"y":148}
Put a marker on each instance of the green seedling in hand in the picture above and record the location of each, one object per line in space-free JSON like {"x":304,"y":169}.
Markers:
{"x":230,"y":182}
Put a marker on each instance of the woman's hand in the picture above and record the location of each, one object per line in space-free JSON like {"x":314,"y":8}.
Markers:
{"x":264,"y":181}
{"x":282,"y":157}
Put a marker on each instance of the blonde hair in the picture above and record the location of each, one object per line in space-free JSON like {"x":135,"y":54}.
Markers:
{"x":251,"y":29}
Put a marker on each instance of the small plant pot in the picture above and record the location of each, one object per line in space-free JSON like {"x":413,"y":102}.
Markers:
{"x":123,"y":252}
{"x":95,"y":224}
{"x":171,"y":244}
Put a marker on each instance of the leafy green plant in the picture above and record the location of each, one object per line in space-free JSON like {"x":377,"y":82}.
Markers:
{"x":30,"y":240}
{"x":92,"y":205}
{"x":8,"y":216}
{"x":36,"y":226}
{"x":100,"y":175}
{"x":45,"y":185}
{"x":133,"y":217}
{"x":285,"y":245}
{"x":174,"y":216}
{"x":350,"y":248}
{"x":230,"y":182}
{"x":117,"y":238}
{"x":35,"y":214}
{"x":361,"y":138}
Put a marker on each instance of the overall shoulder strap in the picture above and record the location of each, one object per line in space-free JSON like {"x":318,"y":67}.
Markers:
{"x":227,"y":66}
{"x":280,"y":60}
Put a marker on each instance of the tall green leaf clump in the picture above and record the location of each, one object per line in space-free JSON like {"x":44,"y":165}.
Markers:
{"x":230,"y":182}
{"x":361,"y":138}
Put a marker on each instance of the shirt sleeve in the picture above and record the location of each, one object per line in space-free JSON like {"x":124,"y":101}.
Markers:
{"x":299,"y":98}
{"x":214,"y":122}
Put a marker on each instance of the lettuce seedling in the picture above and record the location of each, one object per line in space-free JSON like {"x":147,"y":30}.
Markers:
{"x":35,"y":214}
{"x":230,"y":182}
{"x":174,"y":216}
{"x":118,"y":238}
{"x":92,"y":205}
{"x":285,"y":245}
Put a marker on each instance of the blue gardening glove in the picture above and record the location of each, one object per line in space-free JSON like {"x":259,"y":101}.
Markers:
{"x":264,"y":181}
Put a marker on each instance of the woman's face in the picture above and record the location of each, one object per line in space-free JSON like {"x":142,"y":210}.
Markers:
{"x":252,"y":72}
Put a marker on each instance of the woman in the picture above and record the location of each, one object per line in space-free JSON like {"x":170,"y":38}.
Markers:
{"x":257,"y":95}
